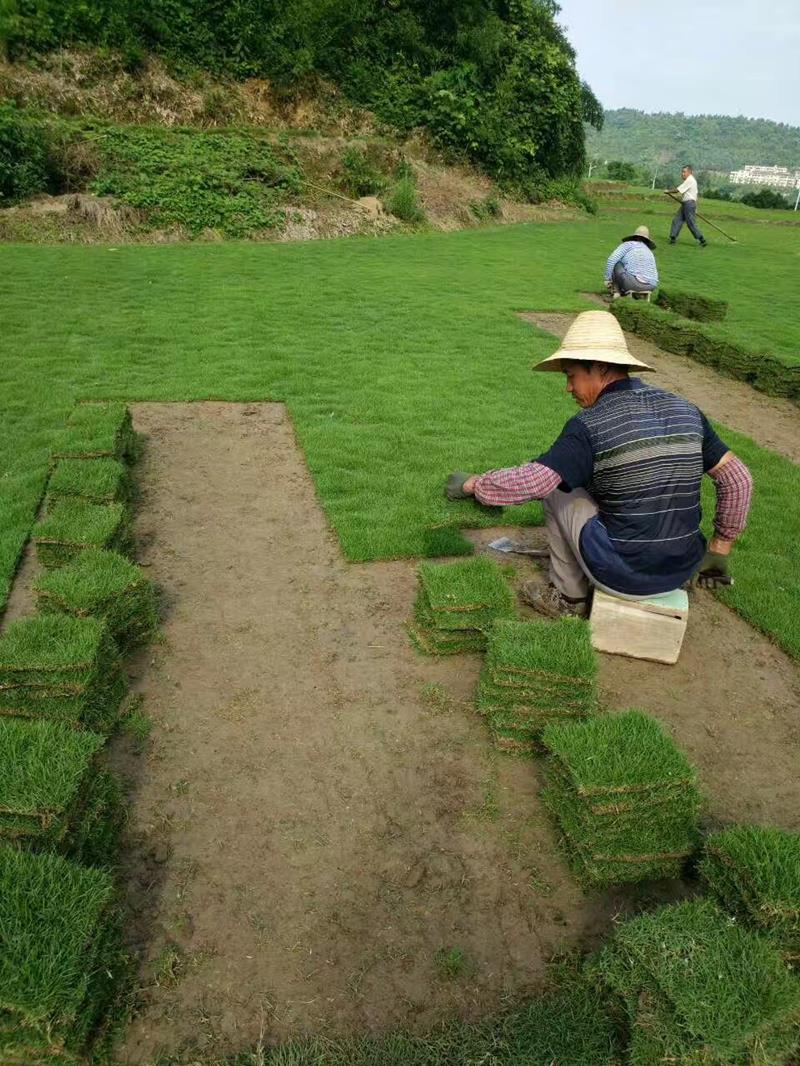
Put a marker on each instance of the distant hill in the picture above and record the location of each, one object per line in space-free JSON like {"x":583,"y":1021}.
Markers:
{"x":708,"y":142}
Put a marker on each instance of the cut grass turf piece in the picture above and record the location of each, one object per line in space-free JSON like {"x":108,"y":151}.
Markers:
{"x":96,"y":430}
{"x":103,"y":585}
{"x":60,"y":959}
{"x":619,"y":754}
{"x":73,"y":526}
{"x":62,"y":668}
{"x":437,"y":642}
{"x":468,"y":594}
{"x":102,"y":480}
{"x":755,"y":873}
{"x":698,"y":988}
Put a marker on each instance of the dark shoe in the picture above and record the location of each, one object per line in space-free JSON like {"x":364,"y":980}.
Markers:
{"x":547,"y":600}
{"x":672,"y":240}
{"x":703,"y":244}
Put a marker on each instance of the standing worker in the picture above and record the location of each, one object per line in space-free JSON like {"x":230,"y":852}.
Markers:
{"x":621,"y":485}
{"x":631,"y":267}
{"x":687,"y":190}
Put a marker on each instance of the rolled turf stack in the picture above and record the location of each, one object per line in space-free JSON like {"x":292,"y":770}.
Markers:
{"x":103,"y":480}
{"x":696,"y":988}
{"x":755,"y":873}
{"x":63,"y":669}
{"x":536,"y":673}
{"x":103,"y":585}
{"x":74,"y":526}
{"x":458,"y":603}
{"x":625,"y":798}
{"x":97,"y":430}
{"x":60,"y":963}
{"x":53,"y":793}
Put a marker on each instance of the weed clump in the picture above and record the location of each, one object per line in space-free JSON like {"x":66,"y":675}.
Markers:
{"x":458,"y":603}
{"x":536,"y":673}
{"x":96,"y":481}
{"x":755,"y":873}
{"x":61,"y":962}
{"x":103,"y":585}
{"x":61,"y":668}
{"x":74,"y":526}
{"x":53,"y":795}
{"x":624,"y":796}
{"x":697,"y":988}
{"x":95,"y":430}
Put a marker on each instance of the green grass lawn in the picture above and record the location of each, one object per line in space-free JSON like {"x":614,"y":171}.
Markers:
{"x":400,"y":359}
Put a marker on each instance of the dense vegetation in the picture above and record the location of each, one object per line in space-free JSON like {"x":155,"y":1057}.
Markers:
{"x":709,"y":142}
{"x":495,"y":82}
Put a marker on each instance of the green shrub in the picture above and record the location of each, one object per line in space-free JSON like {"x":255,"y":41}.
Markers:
{"x":767,"y":199}
{"x":103,"y":585}
{"x":360,"y":177}
{"x":73,"y":526}
{"x":230,"y":180}
{"x":683,"y":337}
{"x":24,"y":155}
{"x":617,"y":170}
{"x":61,"y":668}
{"x":755,"y":872}
{"x":61,"y":962}
{"x":691,"y":305}
{"x":404,"y":201}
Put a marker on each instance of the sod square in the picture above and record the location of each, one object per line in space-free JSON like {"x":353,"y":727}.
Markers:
{"x":103,"y":480}
{"x":103,"y":585}
{"x":457,"y":603}
{"x":96,"y":430}
{"x":698,"y":988}
{"x":755,"y":873}
{"x":60,"y":960}
{"x":62,"y":668}
{"x":74,"y":525}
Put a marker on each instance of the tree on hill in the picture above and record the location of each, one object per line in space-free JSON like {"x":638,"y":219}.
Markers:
{"x":708,"y":142}
{"x":492,"y":80}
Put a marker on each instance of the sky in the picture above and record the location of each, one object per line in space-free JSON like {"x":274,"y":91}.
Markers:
{"x":714,"y":57}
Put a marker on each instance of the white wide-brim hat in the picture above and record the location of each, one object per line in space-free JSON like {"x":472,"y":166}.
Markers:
{"x":594,"y":335}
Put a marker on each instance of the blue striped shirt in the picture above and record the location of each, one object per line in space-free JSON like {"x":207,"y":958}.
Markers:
{"x":641,"y":454}
{"x":637,"y":259}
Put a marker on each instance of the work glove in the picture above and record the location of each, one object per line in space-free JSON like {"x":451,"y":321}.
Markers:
{"x":713,"y":571}
{"x":454,"y":488}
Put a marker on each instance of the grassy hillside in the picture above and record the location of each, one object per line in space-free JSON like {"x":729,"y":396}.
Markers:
{"x":709,"y":142}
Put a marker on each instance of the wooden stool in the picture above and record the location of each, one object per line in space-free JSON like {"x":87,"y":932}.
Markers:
{"x":641,"y":296}
{"x":651,"y":628}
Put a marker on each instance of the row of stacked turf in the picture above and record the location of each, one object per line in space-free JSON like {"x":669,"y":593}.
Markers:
{"x":62,"y":684}
{"x":625,"y":799}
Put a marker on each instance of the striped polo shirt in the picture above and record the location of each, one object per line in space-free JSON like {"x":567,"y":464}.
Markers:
{"x":641,"y":453}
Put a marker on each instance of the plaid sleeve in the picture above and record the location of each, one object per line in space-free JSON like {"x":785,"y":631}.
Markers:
{"x":516,"y":484}
{"x":734,"y":485}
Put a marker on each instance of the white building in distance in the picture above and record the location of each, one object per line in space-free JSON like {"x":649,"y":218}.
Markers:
{"x":775,"y":177}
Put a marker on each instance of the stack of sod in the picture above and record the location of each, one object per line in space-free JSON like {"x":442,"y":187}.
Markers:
{"x":95,"y":430}
{"x":535,"y":673}
{"x":62,"y":668}
{"x":755,"y":872}
{"x":457,"y":604}
{"x":104,"y":585}
{"x":61,"y":961}
{"x":53,"y":795}
{"x":624,"y":796}
{"x":698,"y":989}
{"x":75,"y":525}
{"x":89,"y":480}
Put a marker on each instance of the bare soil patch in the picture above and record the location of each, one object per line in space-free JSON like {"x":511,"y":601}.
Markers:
{"x":768,"y":420}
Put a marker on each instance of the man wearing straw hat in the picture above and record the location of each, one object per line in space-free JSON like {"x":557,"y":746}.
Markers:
{"x":621,"y":485}
{"x":631,"y":267}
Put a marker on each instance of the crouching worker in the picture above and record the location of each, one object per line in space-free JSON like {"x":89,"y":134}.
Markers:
{"x":621,"y":485}
{"x":631,"y":267}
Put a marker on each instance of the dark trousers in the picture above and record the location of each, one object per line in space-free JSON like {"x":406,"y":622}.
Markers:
{"x":686,"y":213}
{"x":625,"y":282}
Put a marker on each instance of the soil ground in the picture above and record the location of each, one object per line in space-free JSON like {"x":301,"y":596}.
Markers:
{"x":311,"y":823}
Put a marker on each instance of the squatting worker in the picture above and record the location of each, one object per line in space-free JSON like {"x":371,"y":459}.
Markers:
{"x":621,"y":485}
{"x":687,"y":190}
{"x":631,"y":267}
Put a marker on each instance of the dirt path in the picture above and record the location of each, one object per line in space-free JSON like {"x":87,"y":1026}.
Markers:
{"x":770,"y":421}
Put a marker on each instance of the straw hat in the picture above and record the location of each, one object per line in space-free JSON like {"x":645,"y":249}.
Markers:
{"x":642,"y":234}
{"x":594,"y":335}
